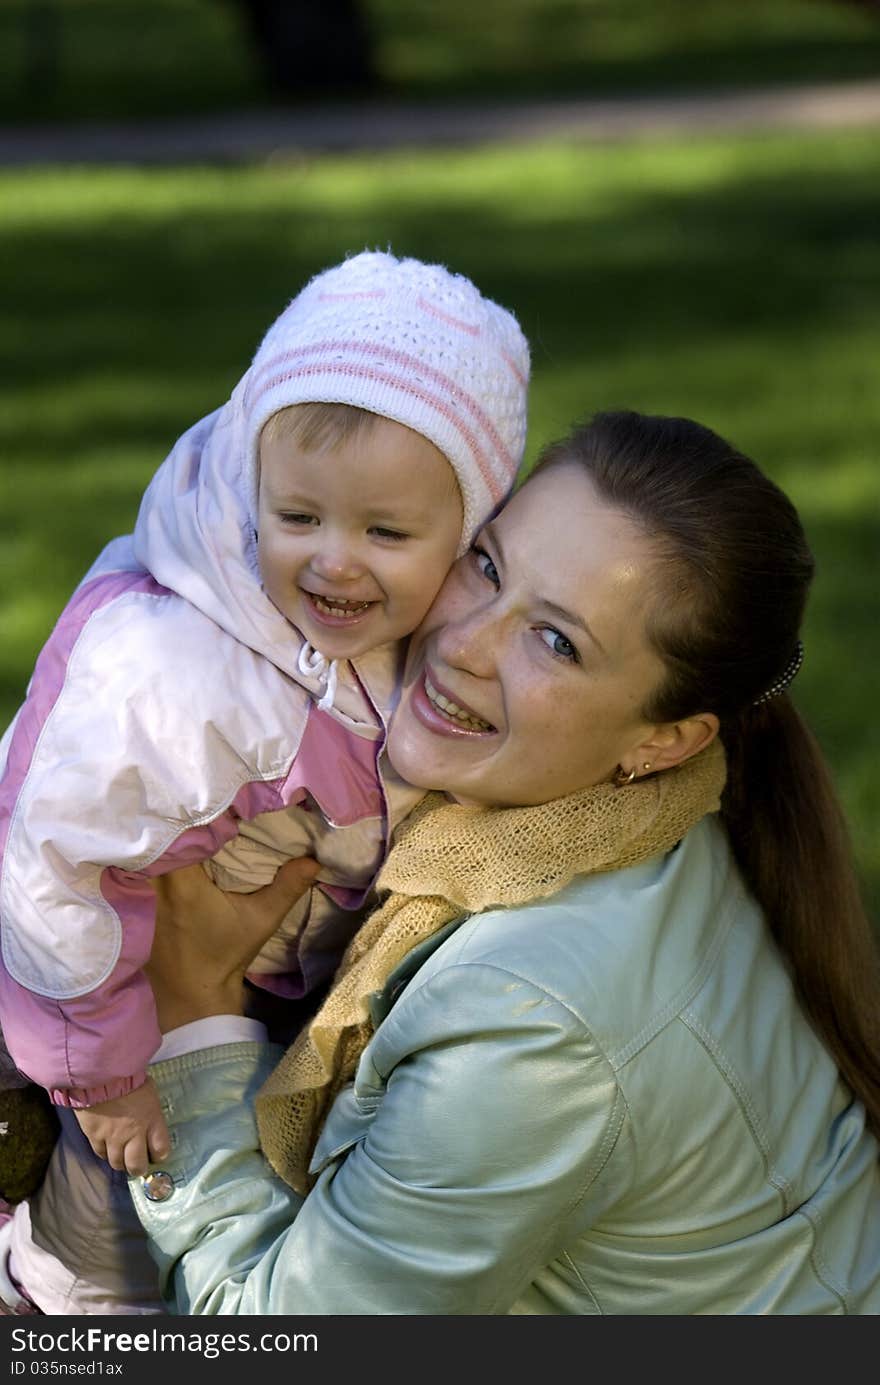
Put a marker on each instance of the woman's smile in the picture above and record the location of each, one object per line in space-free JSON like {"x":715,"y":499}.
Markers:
{"x":437,"y":710}
{"x":526,"y":677}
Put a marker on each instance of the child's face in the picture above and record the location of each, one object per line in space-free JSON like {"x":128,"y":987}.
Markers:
{"x":354,"y":541}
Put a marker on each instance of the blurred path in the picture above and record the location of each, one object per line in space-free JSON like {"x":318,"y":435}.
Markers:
{"x":376,"y":125}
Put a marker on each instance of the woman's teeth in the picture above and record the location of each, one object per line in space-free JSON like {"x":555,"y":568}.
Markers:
{"x":453,"y":711}
{"x":339,"y":608}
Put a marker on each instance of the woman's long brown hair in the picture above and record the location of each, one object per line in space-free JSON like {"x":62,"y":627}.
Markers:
{"x":726,"y":624}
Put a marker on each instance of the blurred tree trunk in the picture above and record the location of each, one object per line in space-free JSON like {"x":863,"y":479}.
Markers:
{"x":310,"y":45}
{"x":41,"y":47}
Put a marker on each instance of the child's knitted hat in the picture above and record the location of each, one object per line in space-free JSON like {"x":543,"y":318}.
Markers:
{"x":415,"y":344}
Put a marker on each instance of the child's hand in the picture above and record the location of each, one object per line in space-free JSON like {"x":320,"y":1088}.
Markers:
{"x":128,"y":1131}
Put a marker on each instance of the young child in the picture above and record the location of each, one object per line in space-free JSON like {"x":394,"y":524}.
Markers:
{"x":219,"y":684}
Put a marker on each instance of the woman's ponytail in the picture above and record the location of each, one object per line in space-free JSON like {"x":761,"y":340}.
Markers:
{"x":790,"y":841}
{"x":732,"y":576}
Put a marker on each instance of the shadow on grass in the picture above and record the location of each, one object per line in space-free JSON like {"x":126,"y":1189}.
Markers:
{"x":118,"y":59}
{"x":746,"y":295}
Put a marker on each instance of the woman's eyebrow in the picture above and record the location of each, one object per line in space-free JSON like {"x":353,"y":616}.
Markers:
{"x":561,"y":611}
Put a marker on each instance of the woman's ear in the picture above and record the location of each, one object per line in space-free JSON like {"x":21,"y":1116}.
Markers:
{"x":674,"y":742}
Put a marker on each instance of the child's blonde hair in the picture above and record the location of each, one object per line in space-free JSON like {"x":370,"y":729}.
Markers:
{"x":318,"y":427}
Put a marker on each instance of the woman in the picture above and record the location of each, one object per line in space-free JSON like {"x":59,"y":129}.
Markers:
{"x":604,"y":1048}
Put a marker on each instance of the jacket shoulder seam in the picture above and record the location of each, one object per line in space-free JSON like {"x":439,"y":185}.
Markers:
{"x":746,"y":1105}
{"x":682,"y":998}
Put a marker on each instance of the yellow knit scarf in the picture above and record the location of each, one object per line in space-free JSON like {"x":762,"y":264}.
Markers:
{"x":449,"y":861}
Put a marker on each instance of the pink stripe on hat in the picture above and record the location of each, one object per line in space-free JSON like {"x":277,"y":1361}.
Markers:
{"x":392,"y":357}
{"x":351,"y":297}
{"x":509,"y":361}
{"x":404,"y":383}
{"x":412,"y":342}
{"x":447,"y":317}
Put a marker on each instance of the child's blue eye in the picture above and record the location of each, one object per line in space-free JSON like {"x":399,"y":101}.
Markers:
{"x":558,"y":645}
{"x":486,"y":566}
{"x":388,"y":533}
{"x":294,"y":517}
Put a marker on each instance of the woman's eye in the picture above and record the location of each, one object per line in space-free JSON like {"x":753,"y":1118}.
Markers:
{"x":558,"y":645}
{"x":486,"y":566}
{"x":294,"y":517}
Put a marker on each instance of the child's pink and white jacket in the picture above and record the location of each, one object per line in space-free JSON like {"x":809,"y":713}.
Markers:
{"x":175,"y":715}
{"x":172,"y":716}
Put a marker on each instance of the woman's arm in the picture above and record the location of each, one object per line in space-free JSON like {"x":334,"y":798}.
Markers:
{"x":205,"y":939}
{"x":464,"y":1160}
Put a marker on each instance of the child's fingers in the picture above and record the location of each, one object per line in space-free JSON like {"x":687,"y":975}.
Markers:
{"x":99,"y":1147}
{"x":135,"y":1158}
{"x":114,"y":1153}
{"x":159,"y":1142}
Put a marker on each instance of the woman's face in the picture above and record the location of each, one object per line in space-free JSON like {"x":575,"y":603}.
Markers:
{"x":526,"y":679}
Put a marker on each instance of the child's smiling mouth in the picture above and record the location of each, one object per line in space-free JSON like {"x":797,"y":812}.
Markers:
{"x":338,"y":610}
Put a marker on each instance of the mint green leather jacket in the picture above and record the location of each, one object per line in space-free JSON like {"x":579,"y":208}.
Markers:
{"x":604,"y":1103}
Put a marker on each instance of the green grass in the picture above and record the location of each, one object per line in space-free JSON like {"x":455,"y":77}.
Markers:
{"x":79,"y":59}
{"x":594,"y":47}
{"x":736,"y":280}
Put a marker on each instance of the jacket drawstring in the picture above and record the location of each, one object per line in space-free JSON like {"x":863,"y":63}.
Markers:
{"x":311,"y":662}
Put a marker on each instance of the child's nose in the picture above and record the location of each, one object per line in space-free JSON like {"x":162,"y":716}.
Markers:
{"x":337,"y":560}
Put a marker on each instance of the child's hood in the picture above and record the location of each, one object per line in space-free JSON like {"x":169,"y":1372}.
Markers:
{"x":195,"y":533}
{"x":403,"y":339}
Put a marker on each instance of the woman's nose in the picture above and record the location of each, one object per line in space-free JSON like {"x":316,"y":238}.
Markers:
{"x":469,"y":641}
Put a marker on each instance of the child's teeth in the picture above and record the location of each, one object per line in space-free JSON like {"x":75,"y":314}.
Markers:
{"x":340,"y":608}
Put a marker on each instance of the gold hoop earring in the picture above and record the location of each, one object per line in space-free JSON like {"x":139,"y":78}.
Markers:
{"x":622,"y":778}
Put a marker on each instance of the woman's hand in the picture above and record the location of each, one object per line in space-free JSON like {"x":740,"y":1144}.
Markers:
{"x":206,"y":938}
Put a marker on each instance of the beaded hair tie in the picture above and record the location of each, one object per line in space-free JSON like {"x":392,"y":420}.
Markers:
{"x":784,"y":678}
